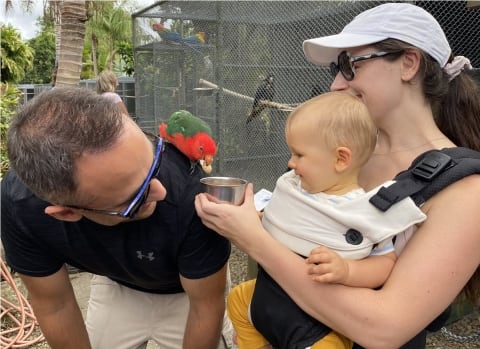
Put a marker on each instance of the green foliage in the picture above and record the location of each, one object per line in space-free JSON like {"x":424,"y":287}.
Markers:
{"x":108,"y":44}
{"x":44,"y":60}
{"x":125,"y":50}
{"x":16,"y":55}
{"x":9,"y":96}
{"x":109,"y":32}
{"x":87,"y":66}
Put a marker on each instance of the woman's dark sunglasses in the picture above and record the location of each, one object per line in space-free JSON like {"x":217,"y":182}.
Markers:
{"x":346,"y":62}
{"x":142,"y":194}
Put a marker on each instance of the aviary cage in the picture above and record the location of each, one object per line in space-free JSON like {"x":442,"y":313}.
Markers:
{"x":209,"y":57}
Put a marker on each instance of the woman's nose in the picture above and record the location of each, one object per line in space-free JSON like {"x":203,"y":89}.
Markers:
{"x":157,"y":191}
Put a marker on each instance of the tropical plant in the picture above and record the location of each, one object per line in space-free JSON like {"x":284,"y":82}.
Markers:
{"x":116,"y":25}
{"x":44,"y":59}
{"x":16,"y":56}
{"x":108,"y":29}
{"x":125,"y":50}
{"x":25,"y":4}
{"x":94,"y":31}
{"x":9,"y":96}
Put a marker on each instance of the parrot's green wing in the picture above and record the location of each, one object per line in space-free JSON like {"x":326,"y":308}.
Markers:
{"x":187,"y":124}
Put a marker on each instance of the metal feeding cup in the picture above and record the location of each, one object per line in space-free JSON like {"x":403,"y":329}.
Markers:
{"x":225,"y":189}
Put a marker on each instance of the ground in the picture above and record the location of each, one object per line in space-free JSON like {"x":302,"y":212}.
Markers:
{"x":468,"y":325}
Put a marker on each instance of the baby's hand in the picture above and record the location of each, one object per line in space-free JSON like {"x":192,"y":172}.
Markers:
{"x":327,"y":266}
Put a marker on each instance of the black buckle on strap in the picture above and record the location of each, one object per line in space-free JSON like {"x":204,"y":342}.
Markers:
{"x":413,"y":181}
{"x":431,"y":165}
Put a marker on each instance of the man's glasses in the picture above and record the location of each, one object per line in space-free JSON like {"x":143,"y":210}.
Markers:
{"x":142,"y":194}
{"x":346,"y":62}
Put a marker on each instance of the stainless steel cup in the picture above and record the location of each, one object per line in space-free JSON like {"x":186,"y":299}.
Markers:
{"x":225,"y":189}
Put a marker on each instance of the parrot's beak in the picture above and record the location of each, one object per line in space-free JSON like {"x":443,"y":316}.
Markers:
{"x":206,"y":163}
{"x":208,"y":159}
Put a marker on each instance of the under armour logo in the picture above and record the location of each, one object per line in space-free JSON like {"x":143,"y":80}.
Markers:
{"x":148,"y":256}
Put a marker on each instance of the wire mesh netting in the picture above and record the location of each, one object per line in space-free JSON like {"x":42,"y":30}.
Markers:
{"x":209,"y":57}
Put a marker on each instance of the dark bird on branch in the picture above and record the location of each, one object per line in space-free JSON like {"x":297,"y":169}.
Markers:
{"x":265,"y":92}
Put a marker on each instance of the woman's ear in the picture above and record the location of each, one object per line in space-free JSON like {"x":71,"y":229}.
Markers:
{"x":410,"y":64}
{"x":63,"y":213}
{"x":344,"y":158}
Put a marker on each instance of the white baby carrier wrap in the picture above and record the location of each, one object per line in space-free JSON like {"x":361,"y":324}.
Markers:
{"x":302,"y":223}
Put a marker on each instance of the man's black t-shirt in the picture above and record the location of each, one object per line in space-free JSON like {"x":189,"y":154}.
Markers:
{"x":146,"y":255}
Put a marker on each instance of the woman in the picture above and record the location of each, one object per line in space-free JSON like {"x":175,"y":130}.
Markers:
{"x":396,"y":59}
{"x":106,"y":84}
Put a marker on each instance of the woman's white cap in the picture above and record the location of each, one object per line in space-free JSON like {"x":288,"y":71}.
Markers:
{"x":401,"y":21}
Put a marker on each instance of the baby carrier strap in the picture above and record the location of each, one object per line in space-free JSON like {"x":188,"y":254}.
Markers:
{"x":429,"y":173}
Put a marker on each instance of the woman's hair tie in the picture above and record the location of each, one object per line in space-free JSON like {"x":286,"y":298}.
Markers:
{"x":456,"y":66}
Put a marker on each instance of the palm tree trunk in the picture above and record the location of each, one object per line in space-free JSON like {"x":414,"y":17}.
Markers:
{"x":94,"y":54}
{"x":73,"y":17}
{"x":55,"y":12}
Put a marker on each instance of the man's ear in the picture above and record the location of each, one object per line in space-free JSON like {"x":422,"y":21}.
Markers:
{"x":344,"y":158}
{"x":410,"y":64}
{"x":63,"y":213}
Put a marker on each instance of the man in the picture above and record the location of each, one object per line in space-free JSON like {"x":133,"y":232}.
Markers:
{"x":87,"y":187}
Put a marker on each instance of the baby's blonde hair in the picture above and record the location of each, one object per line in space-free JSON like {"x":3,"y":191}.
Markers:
{"x":340,"y":120}
{"x":106,"y":82}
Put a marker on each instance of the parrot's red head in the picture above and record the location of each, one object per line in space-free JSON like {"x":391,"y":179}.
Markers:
{"x":204,"y":148}
{"x":192,"y":136}
{"x":198,"y":147}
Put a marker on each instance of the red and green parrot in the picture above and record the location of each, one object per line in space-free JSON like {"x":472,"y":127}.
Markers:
{"x":192,"y":136}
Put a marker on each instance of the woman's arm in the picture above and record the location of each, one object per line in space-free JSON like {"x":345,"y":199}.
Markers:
{"x":430,"y":272}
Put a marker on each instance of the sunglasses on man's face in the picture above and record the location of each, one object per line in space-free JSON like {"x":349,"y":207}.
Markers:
{"x":141,"y":196}
{"x":345,"y":63}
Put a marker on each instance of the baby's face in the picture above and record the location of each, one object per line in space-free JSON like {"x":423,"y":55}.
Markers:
{"x":310,"y":157}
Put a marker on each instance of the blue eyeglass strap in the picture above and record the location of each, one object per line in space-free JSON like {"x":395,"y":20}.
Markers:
{"x":146,"y":183}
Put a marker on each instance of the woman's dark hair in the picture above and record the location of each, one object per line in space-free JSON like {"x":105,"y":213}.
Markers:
{"x":455,"y":104}
{"x":456,"y":109}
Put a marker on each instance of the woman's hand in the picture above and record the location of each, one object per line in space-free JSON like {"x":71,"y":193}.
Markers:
{"x":240,"y":224}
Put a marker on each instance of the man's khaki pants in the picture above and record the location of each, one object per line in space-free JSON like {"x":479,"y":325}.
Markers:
{"x":122,"y":318}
